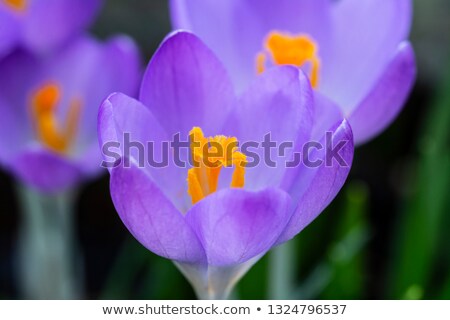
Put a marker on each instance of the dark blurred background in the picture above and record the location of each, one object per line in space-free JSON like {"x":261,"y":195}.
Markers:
{"x":386,"y":235}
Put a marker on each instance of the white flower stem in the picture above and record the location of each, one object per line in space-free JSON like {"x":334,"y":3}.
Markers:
{"x":49,"y":267}
{"x":282,"y":271}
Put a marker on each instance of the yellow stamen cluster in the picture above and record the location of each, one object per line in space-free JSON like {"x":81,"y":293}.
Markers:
{"x":209,"y":156}
{"x":18,"y":5}
{"x":294,"y":50}
{"x":49,"y":131}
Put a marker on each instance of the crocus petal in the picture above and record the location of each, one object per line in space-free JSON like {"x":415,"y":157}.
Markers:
{"x":185,"y":85}
{"x":123,"y":55}
{"x":151,"y":217}
{"x":236,"y":225}
{"x":386,"y":99}
{"x":89,"y":70}
{"x":9,"y":32}
{"x":366,"y":35}
{"x":45,"y":170}
{"x":121,"y":115}
{"x":101,"y":68}
{"x":312,"y":186}
{"x":50,"y":23}
{"x":279,"y":103}
{"x":15,"y":129}
{"x":236,"y":29}
{"x":83,"y":70}
{"x":18,"y":71}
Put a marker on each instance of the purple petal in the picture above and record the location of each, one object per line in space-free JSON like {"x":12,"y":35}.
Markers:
{"x":18,"y":71}
{"x":86,"y":70}
{"x":50,"y":23}
{"x":98,"y":70}
{"x":45,"y":170}
{"x":236,"y":225}
{"x":9,"y":32}
{"x":236,"y":29}
{"x":125,"y":64}
{"x":14,"y":130}
{"x":278,"y":103}
{"x":366,"y":35}
{"x":185,"y":86}
{"x":313,"y":187}
{"x":151,"y":217}
{"x":90,"y":161}
{"x":386,"y":99}
{"x":120,"y":115}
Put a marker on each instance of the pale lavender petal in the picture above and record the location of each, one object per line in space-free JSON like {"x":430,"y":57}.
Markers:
{"x":236,"y":29}
{"x":278,"y":106}
{"x":185,"y":86}
{"x":152,"y":218}
{"x":387,"y":98}
{"x":314,"y":185}
{"x":366,"y":35}
{"x":45,"y":170}
{"x":51,"y":23}
{"x":235,"y":225}
{"x":121,"y":115}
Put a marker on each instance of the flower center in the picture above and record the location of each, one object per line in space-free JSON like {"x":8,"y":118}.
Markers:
{"x":48,"y":129}
{"x":18,"y":5}
{"x":297,"y":50}
{"x":209,"y":155}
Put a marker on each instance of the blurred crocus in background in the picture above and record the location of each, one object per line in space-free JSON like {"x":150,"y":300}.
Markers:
{"x":41,"y":26}
{"x":216,"y":221}
{"x":49,"y":105}
{"x":355,"y":52}
{"x":51,"y":86}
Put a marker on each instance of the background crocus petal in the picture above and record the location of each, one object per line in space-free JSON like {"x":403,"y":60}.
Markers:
{"x":151,"y":217}
{"x":365,"y":36}
{"x":386,"y":99}
{"x":121,"y":115}
{"x":124,"y":58}
{"x":45,"y":170}
{"x":86,"y":71}
{"x":278,"y":106}
{"x":9,"y":32}
{"x":236,"y":29}
{"x":50,"y":23}
{"x":235,"y":225}
{"x":314,"y":185}
{"x":93,"y":70}
{"x":185,"y":85}
{"x":15,"y":130}
{"x":18,"y":71}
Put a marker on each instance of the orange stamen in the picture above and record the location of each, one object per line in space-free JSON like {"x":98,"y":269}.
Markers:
{"x":17,"y":5}
{"x":209,"y":155}
{"x":48,"y":129}
{"x":292,"y":50}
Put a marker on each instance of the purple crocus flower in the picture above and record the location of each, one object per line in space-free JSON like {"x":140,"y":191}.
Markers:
{"x":42,"y":25}
{"x":355,"y":52}
{"x":215,"y":221}
{"x":49,"y":106}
